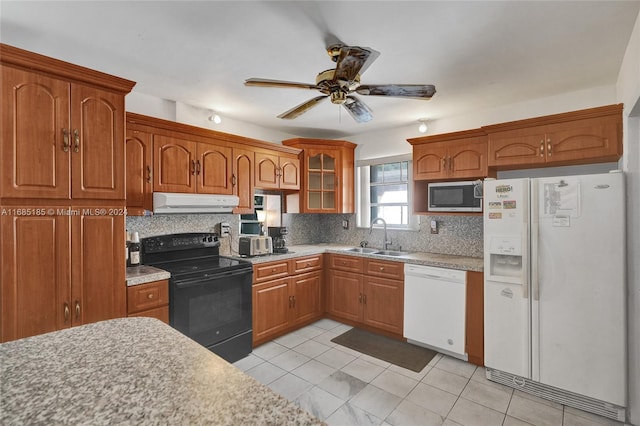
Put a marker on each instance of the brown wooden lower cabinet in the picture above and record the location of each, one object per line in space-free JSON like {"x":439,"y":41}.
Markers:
{"x":286,"y":295}
{"x":368,"y":292}
{"x":149,"y":300}
{"x":474,"y":345}
{"x":60,"y":269}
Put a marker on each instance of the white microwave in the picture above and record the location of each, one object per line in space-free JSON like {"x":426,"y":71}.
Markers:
{"x":464,"y":196}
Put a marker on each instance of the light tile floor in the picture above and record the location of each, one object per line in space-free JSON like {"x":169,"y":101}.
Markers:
{"x":344,"y":387}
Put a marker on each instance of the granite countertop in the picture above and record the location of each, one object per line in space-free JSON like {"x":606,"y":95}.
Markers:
{"x":131,"y":371}
{"x":144,"y":274}
{"x":465,"y":263}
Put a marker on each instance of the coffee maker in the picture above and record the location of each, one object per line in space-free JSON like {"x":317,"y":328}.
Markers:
{"x":277,"y":234}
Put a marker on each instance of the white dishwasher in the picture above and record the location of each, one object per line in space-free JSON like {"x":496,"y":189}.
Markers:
{"x":434,"y":308}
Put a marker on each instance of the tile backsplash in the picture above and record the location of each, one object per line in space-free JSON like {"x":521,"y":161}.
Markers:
{"x":458,"y":235}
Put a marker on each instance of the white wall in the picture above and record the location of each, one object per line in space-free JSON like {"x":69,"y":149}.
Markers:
{"x":628,"y":89}
{"x":195,"y":116}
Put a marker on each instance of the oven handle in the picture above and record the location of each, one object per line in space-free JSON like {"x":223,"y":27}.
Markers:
{"x":210,"y":277}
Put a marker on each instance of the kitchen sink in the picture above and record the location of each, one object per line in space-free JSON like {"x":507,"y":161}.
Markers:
{"x":391,"y":253}
{"x":363,"y":250}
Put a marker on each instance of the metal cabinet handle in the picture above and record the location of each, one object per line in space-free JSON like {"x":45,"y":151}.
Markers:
{"x":360,"y":298}
{"x":77,"y":310}
{"x":193,"y":167}
{"x":444,"y":163}
{"x":76,"y":139}
{"x":150,"y":296}
{"x":65,"y":140}
{"x":364,"y":298}
{"x":294,"y":301}
{"x":66,"y":312}
{"x":198,"y":167}
{"x":549,"y":147}
{"x":382,"y":268}
{"x":450,"y":164}
{"x":308,"y":265}
{"x":542,"y":148}
{"x":233,"y":180}
{"x":149,"y":174}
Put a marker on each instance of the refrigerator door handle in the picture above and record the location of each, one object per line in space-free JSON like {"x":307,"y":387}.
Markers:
{"x":535,"y":289}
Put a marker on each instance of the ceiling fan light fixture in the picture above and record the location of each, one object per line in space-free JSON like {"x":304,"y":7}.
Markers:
{"x":422,"y":128}
{"x":215,"y":117}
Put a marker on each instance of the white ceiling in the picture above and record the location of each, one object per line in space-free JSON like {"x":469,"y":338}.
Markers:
{"x":478,"y":54}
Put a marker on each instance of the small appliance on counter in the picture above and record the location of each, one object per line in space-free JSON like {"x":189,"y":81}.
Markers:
{"x":277,"y":234}
{"x":255,"y":245}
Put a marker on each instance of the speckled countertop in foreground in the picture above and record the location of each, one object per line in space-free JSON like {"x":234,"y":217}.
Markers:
{"x":131,"y":371}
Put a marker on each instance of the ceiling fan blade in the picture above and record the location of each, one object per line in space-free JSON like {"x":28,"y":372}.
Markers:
{"x":302,"y":108}
{"x":416,"y":91}
{"x":263,"y":82}
{"x":358,"y":110}
{"x":353,"y":60}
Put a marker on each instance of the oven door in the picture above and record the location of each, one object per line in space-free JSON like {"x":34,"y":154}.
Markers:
{"x":213,"y":309}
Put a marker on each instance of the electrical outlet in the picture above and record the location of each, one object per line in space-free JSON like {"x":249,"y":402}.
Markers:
{"x":434,"y":227}
{"x":345,"y":224}
{"x":224,"y":229}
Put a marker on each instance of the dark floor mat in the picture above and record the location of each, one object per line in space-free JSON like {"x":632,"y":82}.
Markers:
{"x":402,"y":354}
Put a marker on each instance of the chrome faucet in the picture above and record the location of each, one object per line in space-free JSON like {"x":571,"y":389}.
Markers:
{"x":386,"y":243}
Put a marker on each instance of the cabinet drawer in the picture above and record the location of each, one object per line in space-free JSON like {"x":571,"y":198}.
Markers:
{"x":161,"y":313}
{"x":346,"y":263}
{"x":306,"y":264}
{"x":147,"y":296}
{"x":385,"y":269}
{"x":270,"y":271}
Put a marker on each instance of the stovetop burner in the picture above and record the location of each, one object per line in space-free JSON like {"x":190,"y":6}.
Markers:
{"x":189,"y":254}
{"x":201,"y":265}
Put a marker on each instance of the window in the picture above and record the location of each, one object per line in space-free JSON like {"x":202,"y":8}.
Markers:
{"x":383,"y":190}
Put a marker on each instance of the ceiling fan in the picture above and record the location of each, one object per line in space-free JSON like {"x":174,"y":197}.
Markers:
{"x":338,"y":84}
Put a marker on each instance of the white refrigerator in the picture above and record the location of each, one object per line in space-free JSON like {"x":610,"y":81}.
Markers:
{"x":554,"y":292}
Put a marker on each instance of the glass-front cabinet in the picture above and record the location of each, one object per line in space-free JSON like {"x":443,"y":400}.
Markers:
{"x":322,"y":182}
{"x":328,"y":175}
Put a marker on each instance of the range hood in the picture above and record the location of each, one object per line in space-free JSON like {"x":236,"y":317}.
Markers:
{"x":169,"y":202}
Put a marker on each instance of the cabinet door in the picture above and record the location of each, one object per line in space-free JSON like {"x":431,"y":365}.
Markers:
{"x":289,"y":173}
{"x":36,"y":284}
{"x":322,"y":189}
{"x":581,"y":140}
{"x":35,"y":129}
{"x":344,"y":295}
{"x":271,"y":309}
{"x":139,"y":176}
{"x":516,"y":148}
{"x":267,"y":171}
{"x":174,"y":165}
{"x":97,"y":265}
{"x":307,"y":297}
{"x":214,"y":169}
{"x":429,"y":161}
{"x":468,"y":158}
{"x":97,"y":144}
{"x":383,"y":304}
{"x":242,"y":179}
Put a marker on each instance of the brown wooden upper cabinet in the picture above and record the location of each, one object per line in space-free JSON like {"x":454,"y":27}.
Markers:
{"x":459,"y":155}
{"x":62,"y":129}
{"x":586,"y":136}
{"x":275,"y":171}
{"x":327,"y":175}
{"x":139,"y":172}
